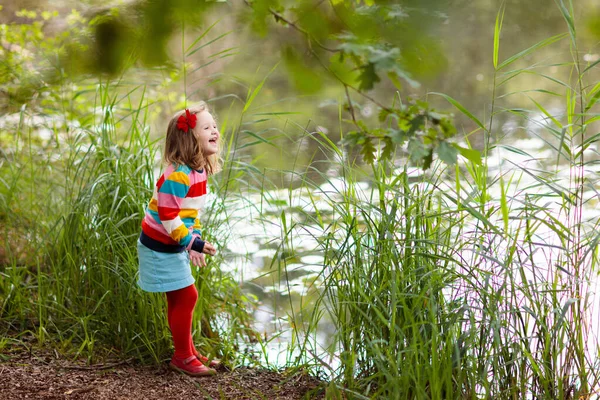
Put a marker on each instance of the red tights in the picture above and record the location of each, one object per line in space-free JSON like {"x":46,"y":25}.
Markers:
{"x":180,"y":309}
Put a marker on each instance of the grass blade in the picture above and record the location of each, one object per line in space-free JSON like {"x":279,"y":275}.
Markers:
{"x":461,"y":108}
{"x":257,"y":90}
{"x":497,"y":30}
{"x":531,"y":49}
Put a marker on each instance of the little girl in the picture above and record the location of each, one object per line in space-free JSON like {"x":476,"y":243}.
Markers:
{"x":171,"y":234}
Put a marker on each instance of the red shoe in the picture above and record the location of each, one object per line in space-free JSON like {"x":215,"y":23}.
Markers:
{"x":214,"y":363}
{"x":189,"y":367}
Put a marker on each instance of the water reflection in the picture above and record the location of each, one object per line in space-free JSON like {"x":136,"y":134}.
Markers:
{"x":287,"y":278}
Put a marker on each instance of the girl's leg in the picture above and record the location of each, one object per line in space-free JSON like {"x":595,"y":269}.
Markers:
{"x":214,"y":363}
{"x":179,"y":313}
{"x":192,"y":347}
{"x":180,"y":310}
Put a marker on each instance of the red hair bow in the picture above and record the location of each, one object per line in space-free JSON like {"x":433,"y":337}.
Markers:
{"x":186,"y":121}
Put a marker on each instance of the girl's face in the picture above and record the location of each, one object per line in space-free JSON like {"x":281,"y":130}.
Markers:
{"x":207,"y":132}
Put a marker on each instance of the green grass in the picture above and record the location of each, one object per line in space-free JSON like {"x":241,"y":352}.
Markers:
{"x":82,"y":216}
{"x":468,"y":282}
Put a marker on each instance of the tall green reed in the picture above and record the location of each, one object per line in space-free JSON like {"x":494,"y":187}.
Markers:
{"x":466,"y":282}
{"x":83,"y":292}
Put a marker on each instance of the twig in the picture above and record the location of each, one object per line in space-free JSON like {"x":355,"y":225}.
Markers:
{"x":293,"y":25}
{"x":99,"y":366}
{"x":323,"y":363}
{"x":310,"y":39}
{"x":315,"y":7}
{"x":351,"y":106}
{"x":80,"y":390}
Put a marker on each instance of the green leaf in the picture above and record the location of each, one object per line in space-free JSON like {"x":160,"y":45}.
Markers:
{"x":261,"y":10}
{"x":517,"y":72}
{"x":563,"y":313}
{"x":383,"y":114}
{"x":544,"y":91}
{"x":565,"y":193}
{"x":342,"y":69}
{"x":513,"y":149}
{"x":368,"y":77}
{"x":427,"y":160}
{"x":398,"y":137}
{"x":472,"y":155}
{"x":591,"y":139}
{"x":394,"y":78}
{"x":207,"y":43}
{"x":473,"y":211}
{"x":388,"y":149}
{"x":349,"y":46}
{"x":546,"y":113}
{"x":417,"y":150}
{"x":384,"y":58}
{"x":563,"y":134}
{"x":352,"y":138}
{"x":368,"y":151}
{"x":305,"y":79}
{"x":447,"y":153}
{"x":398,"y":72}
{"x":595,"y":96}
{"x":447,"y":127}
{"x":416,"y":124}
{"x":569,"y":19}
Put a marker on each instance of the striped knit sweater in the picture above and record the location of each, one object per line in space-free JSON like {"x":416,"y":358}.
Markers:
{"x":171,"y":223}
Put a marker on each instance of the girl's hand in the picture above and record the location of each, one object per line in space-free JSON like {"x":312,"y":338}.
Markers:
{"x":209,"y":249}
{"x":197,"y":259}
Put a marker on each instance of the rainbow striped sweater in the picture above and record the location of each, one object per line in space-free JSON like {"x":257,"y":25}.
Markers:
{"x":171,"y":223}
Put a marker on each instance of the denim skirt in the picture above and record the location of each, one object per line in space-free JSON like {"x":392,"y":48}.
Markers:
{"x":163,"y":272}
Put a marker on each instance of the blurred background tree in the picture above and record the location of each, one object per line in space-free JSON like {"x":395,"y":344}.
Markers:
{"x":346,"y":45}
{"x":362,"y":56}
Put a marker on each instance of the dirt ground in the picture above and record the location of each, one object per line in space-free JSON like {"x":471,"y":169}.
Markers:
{"x":45,"y":375}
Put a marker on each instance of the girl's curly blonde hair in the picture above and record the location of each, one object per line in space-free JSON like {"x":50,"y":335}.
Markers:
{"x":184,"y":148}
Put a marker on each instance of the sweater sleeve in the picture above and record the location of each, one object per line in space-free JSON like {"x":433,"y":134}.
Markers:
{"x":171,"y":194}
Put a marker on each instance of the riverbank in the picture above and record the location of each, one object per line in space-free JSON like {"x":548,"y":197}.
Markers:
{"x":30,"y":373}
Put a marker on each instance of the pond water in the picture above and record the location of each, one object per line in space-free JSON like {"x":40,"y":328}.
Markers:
{"x":287,"y":288}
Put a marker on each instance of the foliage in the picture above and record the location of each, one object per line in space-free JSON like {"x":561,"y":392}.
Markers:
{"x":77,"y":166}
{"x":413,"y":126}
{"x":467,"y":282}
{"x":359,"y":53}
{"x":358,"y":46}
{"x":82,"y":290}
